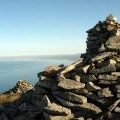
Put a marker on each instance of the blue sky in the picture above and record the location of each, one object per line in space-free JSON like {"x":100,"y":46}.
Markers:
{"x":44,"y":27}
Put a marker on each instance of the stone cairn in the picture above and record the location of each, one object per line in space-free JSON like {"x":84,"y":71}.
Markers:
{"x":88,"y":89}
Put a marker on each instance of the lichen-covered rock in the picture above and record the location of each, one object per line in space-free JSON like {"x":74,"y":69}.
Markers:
{"x":70,"y":84}
{"x":71,"y":96}
{"x":56,"y":109}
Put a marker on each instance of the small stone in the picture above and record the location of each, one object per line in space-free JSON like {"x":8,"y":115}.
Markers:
{"x":106,"y":92}
{"x":52,"y":71}
{"x":82,"y":70}
{"x":77,"y":78}
{"x":91,"y":87}
{"x":115,"y":73}
{"x":117,"y":110}
{"x":112,"y":62}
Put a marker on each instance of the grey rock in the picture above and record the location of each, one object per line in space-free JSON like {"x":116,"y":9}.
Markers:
{"x":112,"y":61}
{"x":102,"y":55}
{"x":52,"y":71}
{"x":92,"y":87}
{"x":106,"y":92}
{"x":113,"y":43}
{"x":83,"y":69}
{"x":107,"y":77}
{"x":70,"y":84}
{"x":117,"y":110}
{"x":71,"y":97}
{"x":88,"y":78}
{"x":116,"y":74}
{"x":86,"y":106}
{"x":49,"y":84}
{"x":105,"y":69}
{"x":65,"y":103}
{"x":93,"y":97}
{"x":39,"y":89}
{"x":56,"y":109}
{"x":77,"y":78}
{"x":108,"y":82}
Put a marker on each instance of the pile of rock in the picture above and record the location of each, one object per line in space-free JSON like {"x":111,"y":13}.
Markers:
{"x":97,"y":40}
{"x":87,"y":89}
{"x":91,"y":88}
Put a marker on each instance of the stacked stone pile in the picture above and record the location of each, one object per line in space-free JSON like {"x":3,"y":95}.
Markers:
{"x":85,"y":90}
{"x":97,"y":40}
{"x":91,"y":88}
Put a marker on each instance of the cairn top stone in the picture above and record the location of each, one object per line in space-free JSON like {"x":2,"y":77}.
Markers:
{"x":111,"y":18}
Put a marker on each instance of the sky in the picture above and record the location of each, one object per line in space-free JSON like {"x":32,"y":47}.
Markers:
{"x":47,"y":27}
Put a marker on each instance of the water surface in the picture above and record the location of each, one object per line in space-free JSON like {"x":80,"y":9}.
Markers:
{"x":13,"y":70}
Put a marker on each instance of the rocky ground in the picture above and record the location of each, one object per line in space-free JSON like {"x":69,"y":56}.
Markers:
{"x":85,"y":90}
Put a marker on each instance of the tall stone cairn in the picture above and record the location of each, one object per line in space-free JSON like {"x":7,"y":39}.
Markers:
{"x":85,"y":90}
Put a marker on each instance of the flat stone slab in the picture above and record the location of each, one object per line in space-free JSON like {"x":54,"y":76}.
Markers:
{"x":69,"y":84}
{"x":49,"y":84}
{"x":108,"y":82}
{"x":71,"y":97}
{"x":65,"y":103}
{"x":105,"y":69}
{"x":107,"y":77}
{"x":86,"y":106}
{"x":56,"y":109}
{"x":102,"y":56}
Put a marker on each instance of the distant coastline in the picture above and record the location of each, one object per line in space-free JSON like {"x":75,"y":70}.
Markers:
{"x":37,"y":57}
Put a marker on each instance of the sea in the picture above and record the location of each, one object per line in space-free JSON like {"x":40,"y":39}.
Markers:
{"x":12,"y":70}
